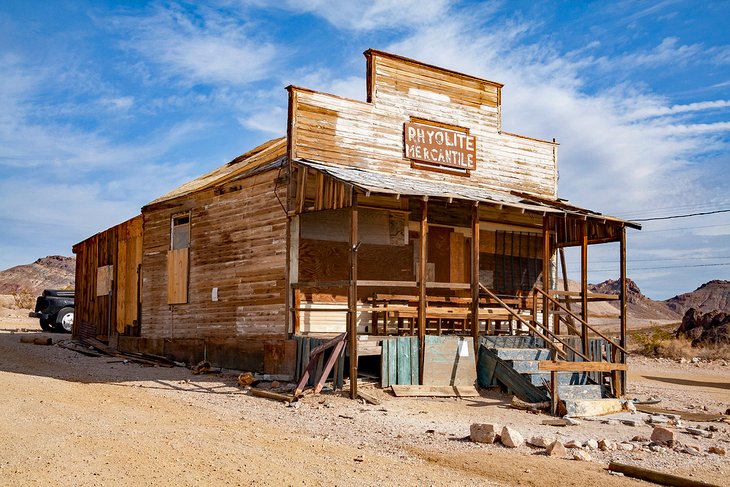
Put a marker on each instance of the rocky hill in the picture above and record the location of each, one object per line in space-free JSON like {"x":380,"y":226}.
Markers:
{"x":639,"y":306}
{"x":711,"y":296}
{"x":52,"y":272}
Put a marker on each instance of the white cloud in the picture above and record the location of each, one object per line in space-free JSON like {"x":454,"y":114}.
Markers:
{"x":374,"y":14}
{"x":207,"y":48}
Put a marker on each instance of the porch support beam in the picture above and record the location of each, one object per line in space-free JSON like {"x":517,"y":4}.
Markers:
{"x":352,"y":298}
{"x":623,"y":307}
{"x":423,"y":242}
{"x":584,"y":285}
{"x":475,"y":276}
{"x":545,"y":271}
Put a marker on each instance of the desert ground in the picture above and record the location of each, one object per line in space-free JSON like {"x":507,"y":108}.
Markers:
{"x":68,"y":419}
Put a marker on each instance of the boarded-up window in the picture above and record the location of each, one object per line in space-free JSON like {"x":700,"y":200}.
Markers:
{"x":104,"y":276}
{"x":178,"y":259}
{"x":180,"y":232}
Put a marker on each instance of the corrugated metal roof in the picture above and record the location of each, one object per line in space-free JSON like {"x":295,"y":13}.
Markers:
{"x":376,"y":182}
{"x":267,"y":152}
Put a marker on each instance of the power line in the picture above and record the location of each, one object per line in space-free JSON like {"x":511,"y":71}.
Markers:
{"x":662,"y":267}
{"x":644,"y":232}
{"x":681,"y":216}
{"x":697,"y":206}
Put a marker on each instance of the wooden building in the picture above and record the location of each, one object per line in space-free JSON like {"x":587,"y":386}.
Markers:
{"x":411,"y":213}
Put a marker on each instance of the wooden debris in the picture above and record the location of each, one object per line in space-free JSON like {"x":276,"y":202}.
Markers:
{"x":518,"y":403}
{"x":685,"y":415}
{"x":36,"y":340}
{"x":434,"y":391}
{"x":656,"y":476}
{"x":272,"y":395}
{"x":368,"y":398}
{"x":78,"y":349}
{"x":203,"y":367}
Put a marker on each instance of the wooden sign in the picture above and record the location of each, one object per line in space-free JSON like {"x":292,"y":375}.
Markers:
{"x":438,"y":147}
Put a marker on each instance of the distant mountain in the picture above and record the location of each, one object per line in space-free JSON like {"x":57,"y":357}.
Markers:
{"x":711,"y":296}
{"x":52,"y":272}
{"x":639,"y":306}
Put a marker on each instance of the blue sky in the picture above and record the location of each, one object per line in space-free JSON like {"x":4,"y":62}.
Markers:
{"x":106,"y":105}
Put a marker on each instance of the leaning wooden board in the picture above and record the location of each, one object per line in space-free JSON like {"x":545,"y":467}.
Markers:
{"x":449,"y":361}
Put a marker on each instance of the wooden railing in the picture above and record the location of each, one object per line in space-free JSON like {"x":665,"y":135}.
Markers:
{"x":550,"y":342}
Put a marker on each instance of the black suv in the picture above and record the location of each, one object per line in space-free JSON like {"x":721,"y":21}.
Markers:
{"x":55,"y":309}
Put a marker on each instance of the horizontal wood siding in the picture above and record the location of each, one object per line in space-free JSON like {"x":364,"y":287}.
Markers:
{"x":238,"y":245}
{"x":337,"y":130}
{"x":117,"y":250}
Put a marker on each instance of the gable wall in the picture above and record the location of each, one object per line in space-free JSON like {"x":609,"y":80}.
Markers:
{"x":237,"y":244}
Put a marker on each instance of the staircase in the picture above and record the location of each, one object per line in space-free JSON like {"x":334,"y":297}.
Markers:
{"x":512,"y":362}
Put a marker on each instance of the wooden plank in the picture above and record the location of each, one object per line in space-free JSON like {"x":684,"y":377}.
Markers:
{"x":434,"y":391}
{"x":421,"y":277}
{"x":393,"y":362}
{"x":385,"y":364}
{"x":352,"y":296}
{"x":272,"y":395}
{"x":448,"y":360}
{"x":415,"y":360}
{"x":404,"y":360}
{"x":561,"y":366}
{"x":492,"y":366}
{"x":656,"y":476}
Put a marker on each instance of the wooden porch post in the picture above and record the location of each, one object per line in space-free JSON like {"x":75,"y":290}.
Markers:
{"x":475,"y":276}
{"x":584,"y":285}
{"x":623,"y":307}
{"x":422,"y":285}
{"x":352,"y":298}
{"x":545,"y":270}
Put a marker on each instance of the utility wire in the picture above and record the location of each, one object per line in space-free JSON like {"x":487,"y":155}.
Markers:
{"x":681,"y":216}
{"x":662,"y":267}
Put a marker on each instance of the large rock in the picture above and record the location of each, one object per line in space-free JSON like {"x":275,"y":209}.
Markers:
{"x":705,"y":328}
{"x":662,"y":436}
{"x":511,"y":438}
{"x":540,"y":441}
{"x":484,"y":432}
{"x":581,"y":456}
{"x":556,"y":449}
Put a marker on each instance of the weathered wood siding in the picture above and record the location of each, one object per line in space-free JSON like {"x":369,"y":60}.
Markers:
{"x":332,"y":129}
{"x":237,"y":245}
{"x":119,"y":250}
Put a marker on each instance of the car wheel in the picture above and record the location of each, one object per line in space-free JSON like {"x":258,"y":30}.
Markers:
{"x":65,"y":320}
{"x":46,"y":325}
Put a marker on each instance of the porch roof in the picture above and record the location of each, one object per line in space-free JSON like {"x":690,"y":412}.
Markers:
{"x":378,"y":182}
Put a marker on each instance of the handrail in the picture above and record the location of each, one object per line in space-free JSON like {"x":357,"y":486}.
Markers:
{"x":531,"y":327}
{"x":581,"y":320}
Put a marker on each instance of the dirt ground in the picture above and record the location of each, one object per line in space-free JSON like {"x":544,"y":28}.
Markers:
{"x":68,"y":419}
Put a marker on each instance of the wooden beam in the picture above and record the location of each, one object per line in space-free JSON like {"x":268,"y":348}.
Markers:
{"x":564,"y":270}
{"x":352,"y":298}
{"x":623,"y":309}
{"x":475,"y":276}
{"x":546,"y":272}
{"x":422,"y":284}
{"x":563,"y":366}
{"x":656,"y":477}
{"x":584,"y":285}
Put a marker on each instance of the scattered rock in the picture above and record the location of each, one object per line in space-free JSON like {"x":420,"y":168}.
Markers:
{"x":658,"y":419}
{"x":574,"y":444}
{"x":630,"y":422}
{"x":698,"y":432}
{"x":246,"y":379}
{"x":625,"y":446}
{"x":359,"y":458}
{"x":592,"y":444}
{"x":662,"y":436}
{"x":275,"y":384}
{"x":657,"y":448}
{"x":571,"y":421}
{"x":582,"y":456}
{"x":511,"y":438}
{"x":556,"y":449}
{"x":717,"y":450}
{"x":640,"y":439}
{"x":610,"y":422}
{"x":540,"y":441}
{"x":691,"y":450}
{"x":484,"y":432}
{"x":629,"y":406}
{"x":606,"y":445}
